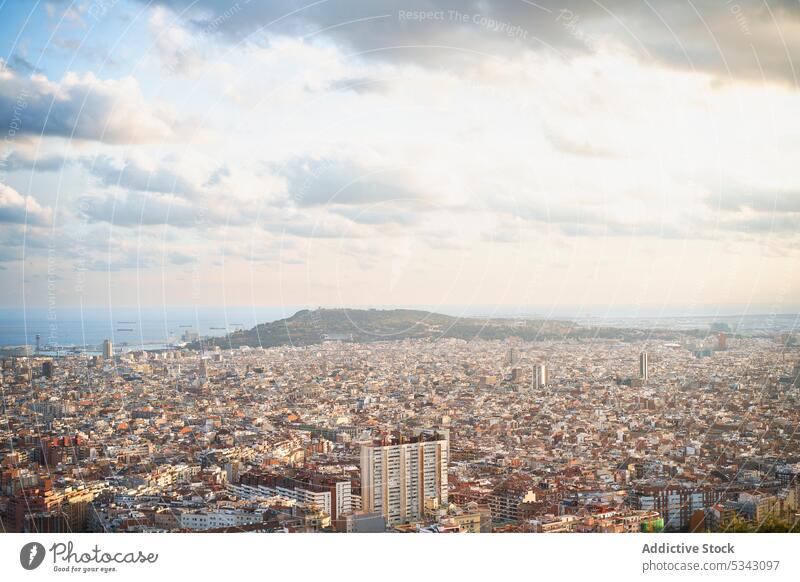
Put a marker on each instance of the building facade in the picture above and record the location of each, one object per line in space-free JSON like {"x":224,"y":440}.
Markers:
{"x":400,"y":480}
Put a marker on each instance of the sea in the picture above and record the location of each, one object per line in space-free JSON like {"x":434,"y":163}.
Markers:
{"x":154,"y":328}
{"x":132,"y":328}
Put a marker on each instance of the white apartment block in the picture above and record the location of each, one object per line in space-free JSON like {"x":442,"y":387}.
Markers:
{"x":398,"y":480}
{"x":300,"y":494}
{"x":203,"y":520}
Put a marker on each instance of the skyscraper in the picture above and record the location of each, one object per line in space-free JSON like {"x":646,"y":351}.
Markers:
{"x":399,"y":480}
{"x":512,"y":357}
{"x":722,"y":341}
{"x":540,"y":378}
{"x":643,"y":372}
{"x":108,"y":350}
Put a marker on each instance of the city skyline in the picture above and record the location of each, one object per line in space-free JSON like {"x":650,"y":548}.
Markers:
{"x":679,"y":432}
{"x":212,"y":153}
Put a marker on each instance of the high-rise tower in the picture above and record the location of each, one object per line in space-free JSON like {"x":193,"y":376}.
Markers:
{"x":643,"y":371}
{"x":399,"y":480}
{"x":108,"y":350}
{"x":540,"y":379}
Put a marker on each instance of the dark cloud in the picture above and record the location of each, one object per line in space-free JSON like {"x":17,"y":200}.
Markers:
{"x":20,"y":63}
{"x":387,"y":29}
{"x":757,"y":211}
{"x":742,"y":39}
{"x":750,"y":39}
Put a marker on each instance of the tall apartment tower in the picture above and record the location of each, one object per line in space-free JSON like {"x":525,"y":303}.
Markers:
{"x":643,"y":372}
{"x":722,"y":341}
{"x":539,"y":379}
{"x":399,"y":480}
{"x":512,"y":357}
{"x":108,"y":350}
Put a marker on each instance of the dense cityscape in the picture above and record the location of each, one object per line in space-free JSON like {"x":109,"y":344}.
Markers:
{"x":674,"y":431}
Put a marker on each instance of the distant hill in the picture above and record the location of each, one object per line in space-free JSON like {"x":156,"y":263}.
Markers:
{"x":369,"y":325}
{"x":308,"y":327}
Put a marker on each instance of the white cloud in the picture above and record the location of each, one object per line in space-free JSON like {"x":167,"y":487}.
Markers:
{"x":18,"y":209}
{"x":84,"y":107}
{"x":406,"y":168}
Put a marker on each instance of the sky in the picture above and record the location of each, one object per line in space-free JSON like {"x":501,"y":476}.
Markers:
{"x":392,"y":153}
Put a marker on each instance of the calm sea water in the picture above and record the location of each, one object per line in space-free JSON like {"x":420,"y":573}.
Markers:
{"x":129,"y":326}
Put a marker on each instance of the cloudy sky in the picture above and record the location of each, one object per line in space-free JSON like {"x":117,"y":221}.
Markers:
{"x":431,"y":152}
